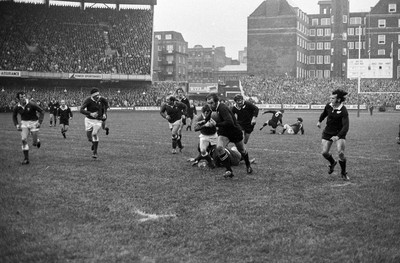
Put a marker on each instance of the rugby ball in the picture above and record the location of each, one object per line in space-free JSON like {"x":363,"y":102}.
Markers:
{"x":215,"y":116}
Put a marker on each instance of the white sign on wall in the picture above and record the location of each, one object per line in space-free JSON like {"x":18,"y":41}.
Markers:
{"x":376,"y":68}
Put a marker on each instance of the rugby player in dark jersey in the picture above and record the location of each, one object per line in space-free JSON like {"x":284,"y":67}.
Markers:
{"x":246,"y":115}
{"x":93,"y":109}
{"x":173,"y":111}
{"x":31,"y":119}
{"x":64,"y":114}
{"x":337,"y":126}
{"x":228,"y":131}
{"x":275,"y":121}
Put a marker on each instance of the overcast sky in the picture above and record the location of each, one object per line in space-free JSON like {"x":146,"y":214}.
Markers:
{"x":222,"y":22}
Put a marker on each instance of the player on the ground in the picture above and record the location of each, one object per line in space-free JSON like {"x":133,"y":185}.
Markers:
{"x":275,"y":121}
{"x":228,"y":131}
{"x":93,"y":109}
{"x":173,"y":111}
{"x":208,"y":136}
{"x":53,"y":106}
{"x":246,"y":115}
{"x":31,"y":118}
{"x":294,"y":128}
{"x":64,"y":114}
{"x":337,"y":126}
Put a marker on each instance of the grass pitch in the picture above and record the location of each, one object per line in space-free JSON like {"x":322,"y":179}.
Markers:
{"x":139,"y":203}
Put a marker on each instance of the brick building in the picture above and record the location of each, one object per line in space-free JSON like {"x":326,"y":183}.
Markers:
{"x":170,"y":56}
{"x":283,"y":40}
{"x":203,"y":63}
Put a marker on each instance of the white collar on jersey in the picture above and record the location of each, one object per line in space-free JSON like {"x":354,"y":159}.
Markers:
{"x":338,"y":107}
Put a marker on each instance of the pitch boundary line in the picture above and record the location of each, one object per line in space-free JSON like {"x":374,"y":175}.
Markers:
{"x":147,"y":217}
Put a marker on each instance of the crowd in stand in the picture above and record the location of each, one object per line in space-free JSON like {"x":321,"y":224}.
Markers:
{"x":70,"y":40}
{"x":266,"y":90}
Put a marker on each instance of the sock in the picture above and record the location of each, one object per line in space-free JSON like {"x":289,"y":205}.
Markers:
{"x":179,"y":141}
{"x":89,"y":135}
{"x":245,"y":157}
{"x":95,"y":144}
{"x":283,"y":131}
{"x":343,"y":165}
{"x":174,"y":143}
{"x":26,"y":154}
{"x":330,"y":159}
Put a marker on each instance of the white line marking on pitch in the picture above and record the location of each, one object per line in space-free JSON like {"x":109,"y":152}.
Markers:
{"x":341,"y":185}
{"x":152,"y":216}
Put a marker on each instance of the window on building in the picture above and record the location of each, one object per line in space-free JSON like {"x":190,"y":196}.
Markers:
{"x":345,"y":19}
{"x":327,"y":45}
{"x":398,"y":39}
{"x":312,"y":73}
{"x":381,"y":23}
{"x":320,"y":46}
{"x":327,"y":59}
{"x":320,"y":32}
{"x":314,"y":22}
{"x":381,"y":52}
{"x":325,"y":21}
{"x":319,"y":74}
{"x":170,"y":48}
{"x":381,"y":39}
{"x":392,"y":8}
{"x":327,"y":74}
{"x":312,"y":59}
{"x":355,"y":20}
{"x":168,"y":36}
{"x":312,"y":31}
{"x":357,"y":45}
{"x":312,"y":46}
{"x":399,"y":22}
{"x":358,"y":31}
{"x":344,"y":36}
{"x":398,"y":54}
{"x":158,"y":37}
{"x":320,"y":59}
{"x":327,"y":32}
{"x":344,"y":51}
{"x":350,"y":45}
{"x":350,"y":31}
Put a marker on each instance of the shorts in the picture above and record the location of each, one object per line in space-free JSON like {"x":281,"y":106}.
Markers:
{"x":208,"y":139}
{"x":272,"y":124}
{"x":90,"y":124}
{"x":64,"y":121}
{"x":31,"y":125}
{"x":247,"y":128}
{"x":328,"y":137}
{"x":234,"y":136}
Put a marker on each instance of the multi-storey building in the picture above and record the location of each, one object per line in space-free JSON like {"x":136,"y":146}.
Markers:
{"x":170,"y":56}
{"x":283,"y":40}
{"x":203,"y":63}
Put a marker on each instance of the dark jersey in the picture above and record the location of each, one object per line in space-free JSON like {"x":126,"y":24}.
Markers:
{"x":297,"y":127}
{"x":64,"y":113}
{"x":185,"y":101}
{"x":246,"y":113}
{"x":53,"y":106}
{"x":227,"y":124}
{"x":337,"y":122}
{"x":90,"y":105}
{"x":276,"y":116}
{"x":175,"y":111}
{"x":29,"y":112}
{"x":234,"y":157}
{"x":191,"y":111}
{"x":203,"y":129}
